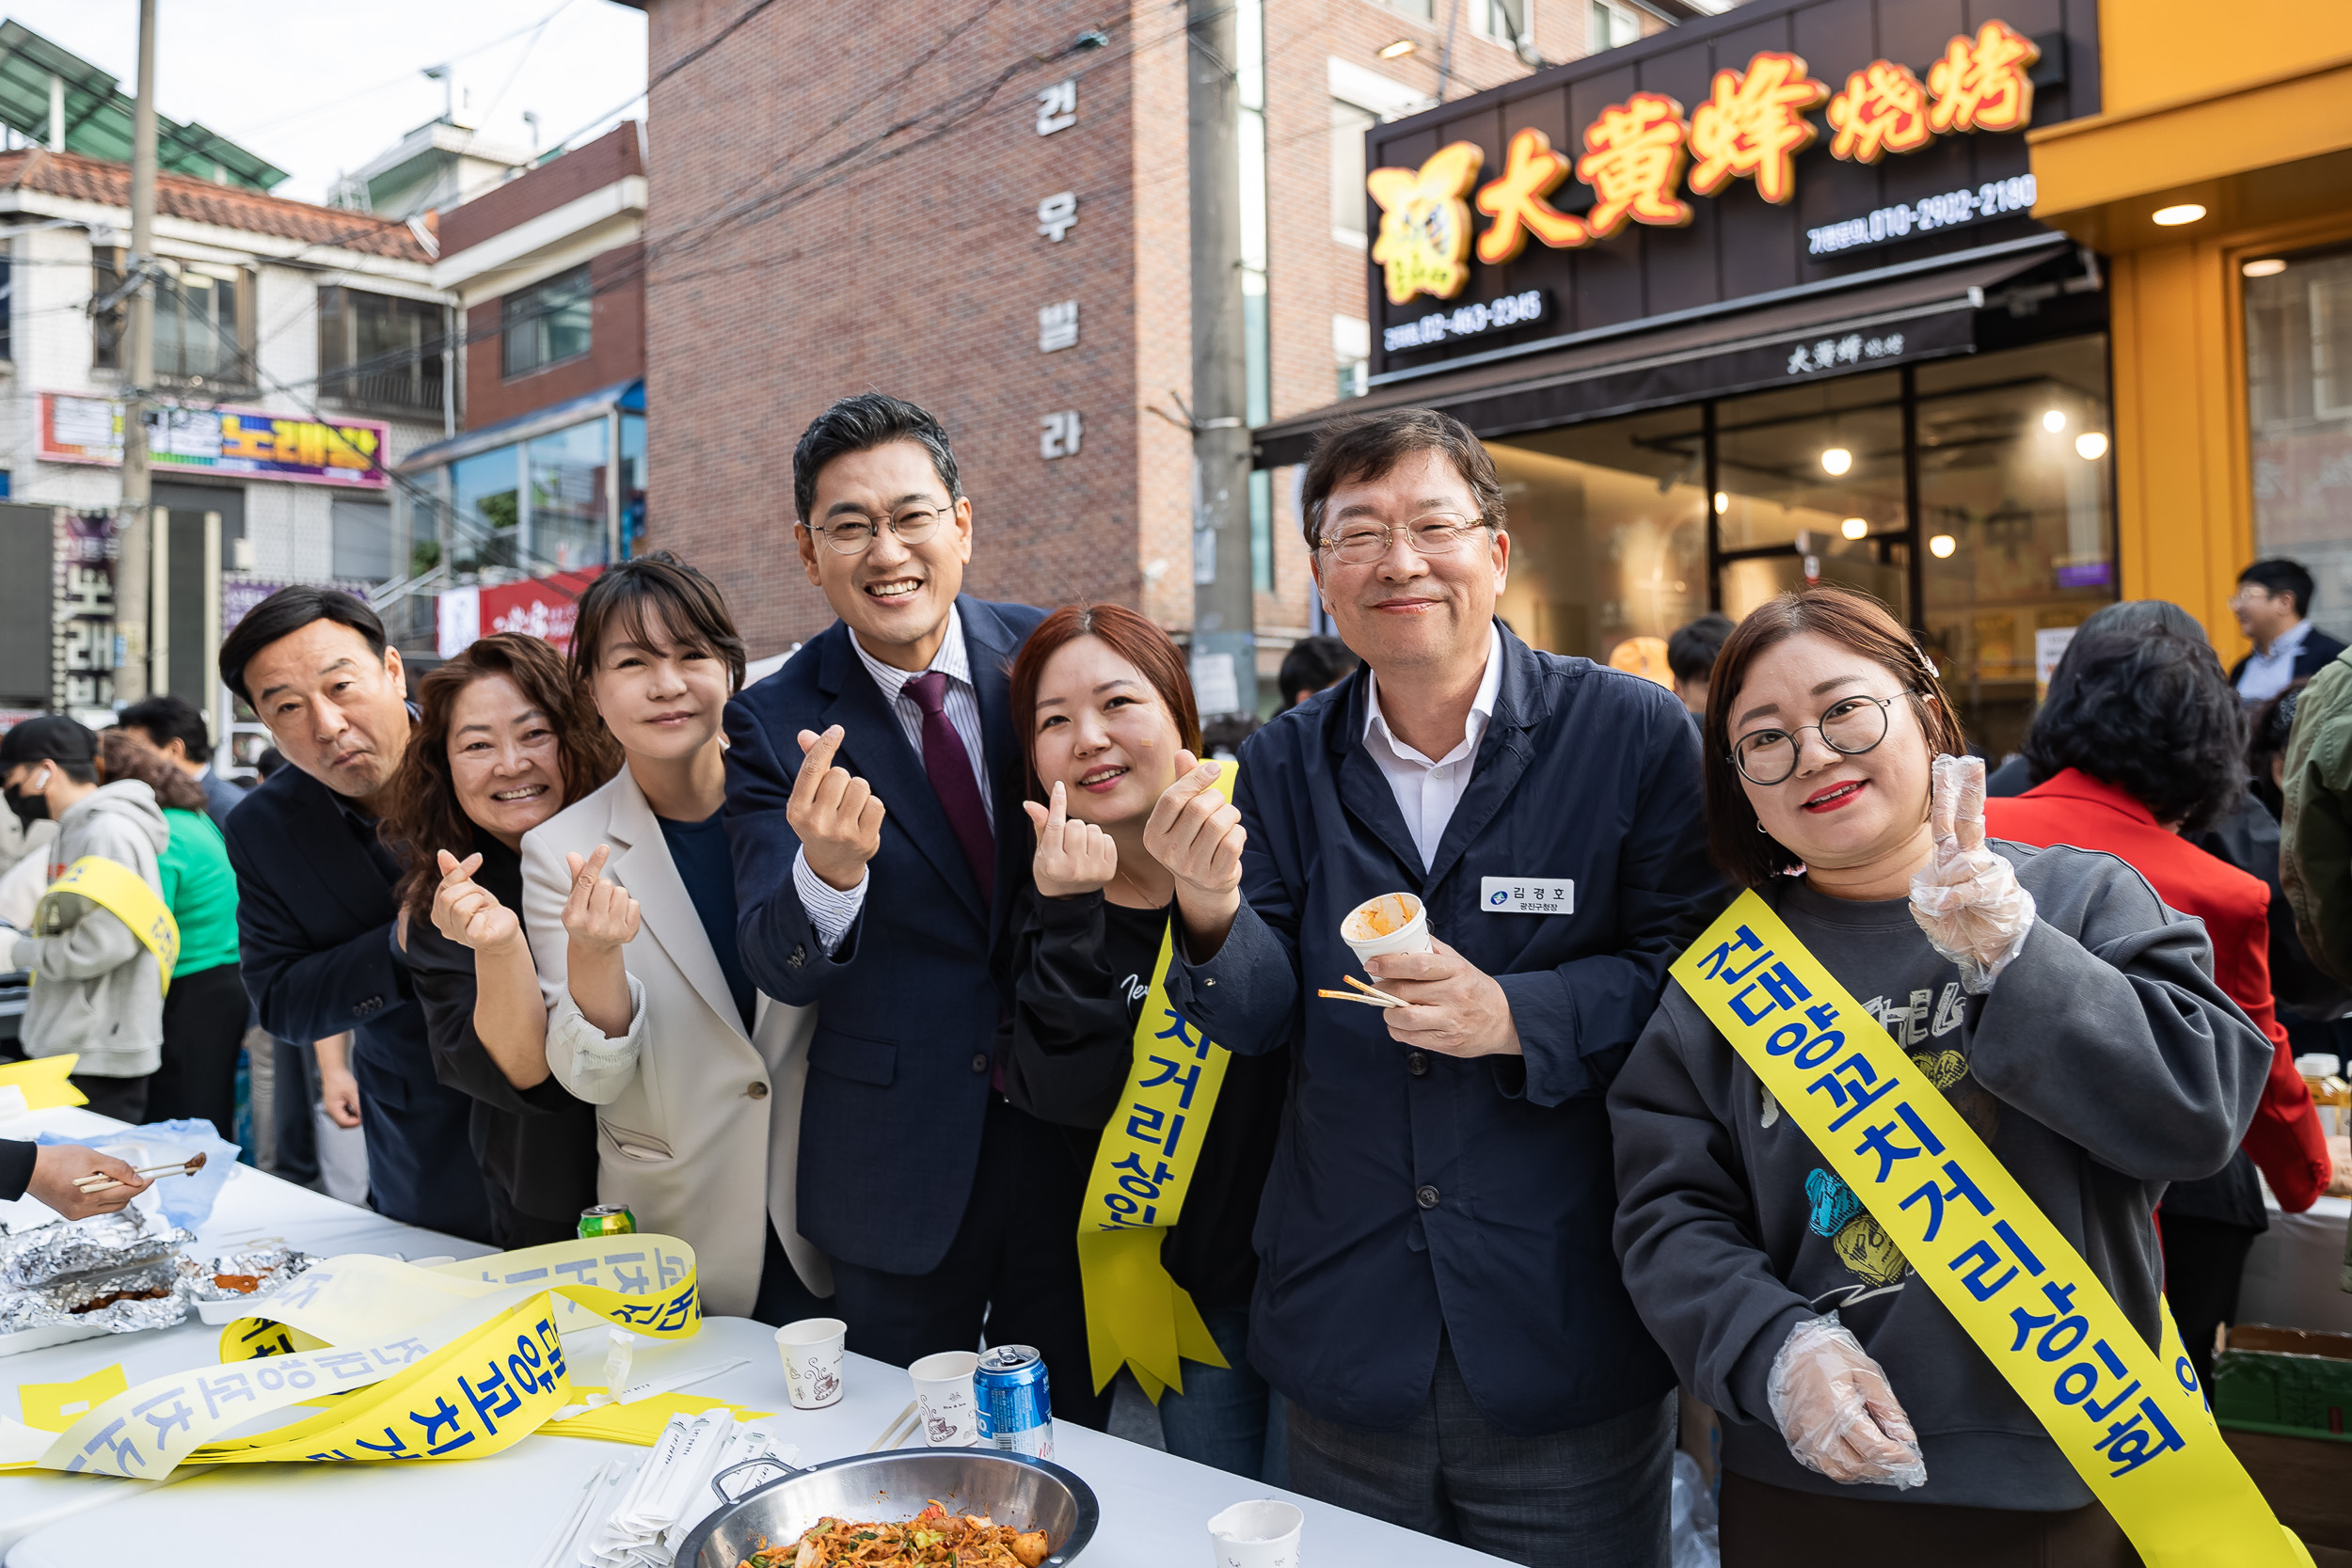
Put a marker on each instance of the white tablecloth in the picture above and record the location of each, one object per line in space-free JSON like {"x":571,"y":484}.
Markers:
{"x":251,"y":1205}
{"x":2293,"y":1276}
{"x":502,"y":1508}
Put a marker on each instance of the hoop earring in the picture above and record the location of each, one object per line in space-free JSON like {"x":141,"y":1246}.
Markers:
{"x":1761,"y":828}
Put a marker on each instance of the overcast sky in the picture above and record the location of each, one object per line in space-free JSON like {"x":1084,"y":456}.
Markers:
{"x":319,"y":87}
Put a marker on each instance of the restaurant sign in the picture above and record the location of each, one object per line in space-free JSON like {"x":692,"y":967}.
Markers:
{"x":1641,"y":155}
{"x":234,"y":443}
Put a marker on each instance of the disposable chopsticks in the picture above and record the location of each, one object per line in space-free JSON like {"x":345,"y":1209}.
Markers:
{"x":99,"y":1182}
{"x":901,"y":1427}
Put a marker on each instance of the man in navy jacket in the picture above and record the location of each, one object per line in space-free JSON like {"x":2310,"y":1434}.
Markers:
{"x":1437,"y":1292}
{"x":874,"y":789}
{"x":315,"y":908}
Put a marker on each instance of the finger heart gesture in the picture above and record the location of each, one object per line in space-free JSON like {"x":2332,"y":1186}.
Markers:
{"x":1072,"y":856}
{"x":1195,"y":833}
{"x":599,"y":913}
{"x":467,"y":912}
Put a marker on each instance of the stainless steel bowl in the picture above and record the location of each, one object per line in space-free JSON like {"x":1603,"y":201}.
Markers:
{"x":1010,"y":1488}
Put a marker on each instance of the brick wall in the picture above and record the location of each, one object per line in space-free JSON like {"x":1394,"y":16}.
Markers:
{"x":800,"y":249}
{"x":616,"y":346}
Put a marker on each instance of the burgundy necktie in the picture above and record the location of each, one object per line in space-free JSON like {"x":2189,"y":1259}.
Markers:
{"x":949,"y":766}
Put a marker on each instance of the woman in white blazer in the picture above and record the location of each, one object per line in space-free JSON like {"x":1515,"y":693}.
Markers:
{"x":628,"y":897}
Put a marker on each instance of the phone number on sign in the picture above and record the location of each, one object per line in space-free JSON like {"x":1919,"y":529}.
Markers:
{"x":1886,"y":225}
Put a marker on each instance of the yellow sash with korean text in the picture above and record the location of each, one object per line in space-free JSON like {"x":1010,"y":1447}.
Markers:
{"x":1137,"y":1315}
{"x":123,"y":894}
{"x":457,"y":1361}
{"x":2132,"y":1422}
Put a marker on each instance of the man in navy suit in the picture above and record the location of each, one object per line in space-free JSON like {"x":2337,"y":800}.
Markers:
{"x":874,"y":789}
{"x":1437,"y":1294}
{"x":315,"y":908}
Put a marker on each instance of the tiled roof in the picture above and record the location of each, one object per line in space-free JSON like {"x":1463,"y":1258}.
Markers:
{"x":101,"y":180}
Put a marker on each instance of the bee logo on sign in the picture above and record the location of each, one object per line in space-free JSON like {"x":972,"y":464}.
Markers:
{"x":1425,"y":223}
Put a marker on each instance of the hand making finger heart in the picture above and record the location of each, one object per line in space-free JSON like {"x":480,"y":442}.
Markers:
{"x":1072,"y":856}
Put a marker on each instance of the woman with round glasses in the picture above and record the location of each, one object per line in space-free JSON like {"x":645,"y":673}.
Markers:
{"x":2066,"y":1014}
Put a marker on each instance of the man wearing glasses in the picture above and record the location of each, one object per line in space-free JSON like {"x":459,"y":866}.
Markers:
{"x":1437,"y":1294}
{"x":874,"y":789}
{"x":2273,"y":606}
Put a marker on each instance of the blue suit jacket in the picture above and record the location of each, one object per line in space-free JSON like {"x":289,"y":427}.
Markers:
{"x":314,"y":936}
{"x":907,"y":1007}
{"x":1414,"y":1194}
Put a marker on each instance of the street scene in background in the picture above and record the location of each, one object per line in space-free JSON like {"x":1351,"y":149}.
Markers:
{"x":1542,"y":781}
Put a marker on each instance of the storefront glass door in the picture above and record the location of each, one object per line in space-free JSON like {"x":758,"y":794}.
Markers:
{"x":2299,"y":397}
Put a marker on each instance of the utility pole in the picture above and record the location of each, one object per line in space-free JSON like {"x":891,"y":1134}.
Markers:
{"x":1224,"y":614}
{"x":133,"y":530}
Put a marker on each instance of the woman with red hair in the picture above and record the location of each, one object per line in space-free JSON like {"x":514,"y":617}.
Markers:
{"x":1101,"y":700}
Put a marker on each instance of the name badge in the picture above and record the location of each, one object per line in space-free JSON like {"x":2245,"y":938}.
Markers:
{"x":1523,"y":895}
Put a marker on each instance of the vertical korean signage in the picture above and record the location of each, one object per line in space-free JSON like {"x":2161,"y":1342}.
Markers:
{"x":82,"y":612}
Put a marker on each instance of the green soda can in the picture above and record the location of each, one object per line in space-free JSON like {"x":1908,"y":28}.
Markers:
{"x":607,"y":1219}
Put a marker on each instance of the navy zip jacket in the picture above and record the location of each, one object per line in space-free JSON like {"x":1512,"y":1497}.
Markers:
{"x":1416,"y":1195}
{"x":907,"y":1007}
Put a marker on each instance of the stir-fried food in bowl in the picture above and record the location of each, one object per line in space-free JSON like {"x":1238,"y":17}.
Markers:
{"x":932,"y":1539}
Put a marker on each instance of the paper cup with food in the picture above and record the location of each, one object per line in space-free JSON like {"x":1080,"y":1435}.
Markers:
{"x":812,"y":1352}
{"x":1392,"y":923}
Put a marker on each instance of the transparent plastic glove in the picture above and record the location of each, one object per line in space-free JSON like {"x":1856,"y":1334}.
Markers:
{"x":1968,"y":899}
{"x":1835,"y":1410}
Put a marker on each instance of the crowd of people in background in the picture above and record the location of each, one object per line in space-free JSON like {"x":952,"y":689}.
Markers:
{"x":855,"y":979}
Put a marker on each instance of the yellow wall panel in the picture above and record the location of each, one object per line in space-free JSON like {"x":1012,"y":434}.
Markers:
{"x":2155,"y":51}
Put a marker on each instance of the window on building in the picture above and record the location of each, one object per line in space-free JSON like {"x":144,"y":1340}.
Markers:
{"x":1351,"y":348}
{"x":1349,"y":202}
{"x":1419,"y":11}
{"x":380,"y":351}
{"x":487,"y":510}
{"x":362,"y":538}
{"x":1503,"y":21}
{"x":203,"y":322}
{"x":567,"y":502}
{"x":546,"y":322}
{"x":7,"y":313}
{"x":2298,"y":405}
{"x":1611,"y":26}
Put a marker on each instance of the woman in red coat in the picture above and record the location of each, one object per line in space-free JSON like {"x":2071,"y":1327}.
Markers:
{"x":2141,"y":742}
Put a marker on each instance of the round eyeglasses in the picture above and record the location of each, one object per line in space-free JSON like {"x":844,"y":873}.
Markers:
{"x":1360,"y":541}
{"x":1853,"y":726}
{"x":853,"y":533}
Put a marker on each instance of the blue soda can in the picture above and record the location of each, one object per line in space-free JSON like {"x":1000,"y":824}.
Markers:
{"x":1016,"y":1410}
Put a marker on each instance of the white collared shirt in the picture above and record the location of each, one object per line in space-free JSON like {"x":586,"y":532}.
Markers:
{"x":2266,"y":674}
{"x":833,"y":910}
{"x":1427,"y":791}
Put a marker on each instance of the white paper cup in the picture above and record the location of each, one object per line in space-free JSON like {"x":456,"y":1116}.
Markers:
{"x":811,"y":1350}
{"x":1392,"y":923}
{"x":942,"y":1390}
{"x":1263,"y":1533}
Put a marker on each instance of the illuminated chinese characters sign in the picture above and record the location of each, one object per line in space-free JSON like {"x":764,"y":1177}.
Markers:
{"x":232,"y":442}
{"x":1639,"y":155}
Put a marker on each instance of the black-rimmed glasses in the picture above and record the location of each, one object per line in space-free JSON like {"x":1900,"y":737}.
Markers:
{"x":1853,"y":726}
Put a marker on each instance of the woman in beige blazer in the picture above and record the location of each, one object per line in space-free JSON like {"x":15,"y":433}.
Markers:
{"x":628,"y":899}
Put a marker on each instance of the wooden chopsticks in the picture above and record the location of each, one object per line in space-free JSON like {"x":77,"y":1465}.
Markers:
{"x":1370,"y":996}
{"x":98,"y":1181}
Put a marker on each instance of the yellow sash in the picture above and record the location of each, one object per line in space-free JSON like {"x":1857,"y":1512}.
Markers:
{"x":123,"y":894}
{"x":1136,"y":1314}
{"x":457,"y":1361}
{"x":2132,"y":1422}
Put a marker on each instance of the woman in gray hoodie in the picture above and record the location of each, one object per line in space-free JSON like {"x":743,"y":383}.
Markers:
{"x":98,"y":990}
{"x":2067,"y":1015}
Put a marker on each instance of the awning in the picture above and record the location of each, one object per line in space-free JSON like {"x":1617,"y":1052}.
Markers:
{"x":1905,"y":314}
{"x":628,"y":396}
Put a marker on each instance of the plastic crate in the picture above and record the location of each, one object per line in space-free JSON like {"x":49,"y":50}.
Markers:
{"x":2285,"y":1382}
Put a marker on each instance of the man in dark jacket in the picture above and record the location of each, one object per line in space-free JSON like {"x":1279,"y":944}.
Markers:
{"x":885,"y":923}
{"x":1437,"y":1292}
{"x":315,"y":907}
{"x":176,"y":727}
{"x":2273,"y":606}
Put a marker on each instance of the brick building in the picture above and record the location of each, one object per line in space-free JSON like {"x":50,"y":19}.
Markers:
{"x":988,"y":213}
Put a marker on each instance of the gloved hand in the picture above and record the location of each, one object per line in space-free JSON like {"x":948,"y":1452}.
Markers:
{"x":1968,"y":899}
{"x":8,"y":948}
{"x":1837,"y":1412}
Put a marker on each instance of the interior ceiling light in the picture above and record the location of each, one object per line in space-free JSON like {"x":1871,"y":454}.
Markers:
{"x":1836,"y":461}
{"x":1942,"y":546}
{"x":1403,"y":47}
{"x":2090,"y":446}
{"x":1854,"y":528}
{"x":1722,"y":503}
{"x":2269,"y":266}
{"x":2172,"y":218}
{"x":2055,"y":421}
